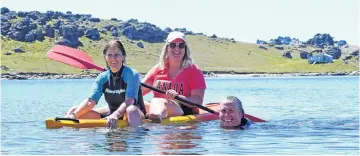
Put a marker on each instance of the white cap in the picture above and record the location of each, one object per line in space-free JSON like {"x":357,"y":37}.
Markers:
{"x":176,"y":35}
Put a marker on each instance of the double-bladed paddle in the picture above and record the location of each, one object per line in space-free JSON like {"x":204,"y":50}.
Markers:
{"x":80,"y":59}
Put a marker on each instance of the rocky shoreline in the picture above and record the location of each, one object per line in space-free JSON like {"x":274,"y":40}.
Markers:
{"x":32,"y":76}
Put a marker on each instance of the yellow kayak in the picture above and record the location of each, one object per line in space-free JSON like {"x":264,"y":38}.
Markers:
{"x":91,"y":123}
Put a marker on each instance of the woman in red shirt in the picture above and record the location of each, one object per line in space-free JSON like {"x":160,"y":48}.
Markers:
{"x":176,"y":74}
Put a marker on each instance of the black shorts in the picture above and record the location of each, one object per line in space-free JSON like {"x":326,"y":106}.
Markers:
{"x":187,"y":110}
{"x":103,"y":115}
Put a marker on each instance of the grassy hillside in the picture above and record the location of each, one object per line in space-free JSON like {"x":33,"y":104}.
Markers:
{"x":210,"y":55}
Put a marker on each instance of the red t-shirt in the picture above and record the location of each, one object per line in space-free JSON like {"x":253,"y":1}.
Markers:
{"x":188,"y":79}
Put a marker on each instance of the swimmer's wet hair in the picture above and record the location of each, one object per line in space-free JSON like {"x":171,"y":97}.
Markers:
{"x":237,"y":103}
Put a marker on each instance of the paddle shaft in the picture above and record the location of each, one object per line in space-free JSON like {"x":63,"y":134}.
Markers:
{"x":181,"y":99}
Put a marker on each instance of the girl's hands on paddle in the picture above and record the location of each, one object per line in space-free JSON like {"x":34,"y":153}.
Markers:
{"x":171,"y":94}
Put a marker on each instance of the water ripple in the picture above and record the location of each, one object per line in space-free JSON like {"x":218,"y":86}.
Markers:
{"x":313,"y":115}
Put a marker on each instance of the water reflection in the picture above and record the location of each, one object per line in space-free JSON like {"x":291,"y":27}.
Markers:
{"x":116,"y":141}
{"x":119,"y":140}
{"x":182,"y":140}
{"x":177,"y":142}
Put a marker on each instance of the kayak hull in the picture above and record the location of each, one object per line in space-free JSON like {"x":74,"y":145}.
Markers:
{"x":52,"y":123}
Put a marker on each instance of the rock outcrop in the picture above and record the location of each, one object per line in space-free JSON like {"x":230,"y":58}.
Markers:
{"x":69,"y":27}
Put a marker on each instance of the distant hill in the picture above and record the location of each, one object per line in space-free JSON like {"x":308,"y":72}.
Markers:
{"x":32,"y":34}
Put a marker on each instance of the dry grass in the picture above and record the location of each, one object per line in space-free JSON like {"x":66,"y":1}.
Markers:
{"x":210,"y":55}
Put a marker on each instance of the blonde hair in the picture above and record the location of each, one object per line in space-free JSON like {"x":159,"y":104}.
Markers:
{"x":187,"y":60}
{"x":237,"y":103}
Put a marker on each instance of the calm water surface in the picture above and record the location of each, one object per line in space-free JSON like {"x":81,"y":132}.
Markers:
{"x":306,"y":115}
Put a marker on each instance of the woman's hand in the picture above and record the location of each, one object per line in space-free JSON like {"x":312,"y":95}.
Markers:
{"x":171,"y":94}
{"x":70,"y":115}
{"x":112,"y":120}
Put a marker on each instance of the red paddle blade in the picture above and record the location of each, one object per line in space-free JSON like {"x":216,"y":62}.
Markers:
{"x":253,"y":118}
{"x":65,"y":59}
{"x":73,"y":57}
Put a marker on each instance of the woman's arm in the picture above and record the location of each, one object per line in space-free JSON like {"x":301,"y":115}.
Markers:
{"x":95,"y":95}
{"x":121,"y":110}
{"x":132,"y":80}
{"x":89,"y":103}
{"x":196,"y":96}
{"x":84,"y":107}
{"x":113,"y":118}
{"x":197,"y":87}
